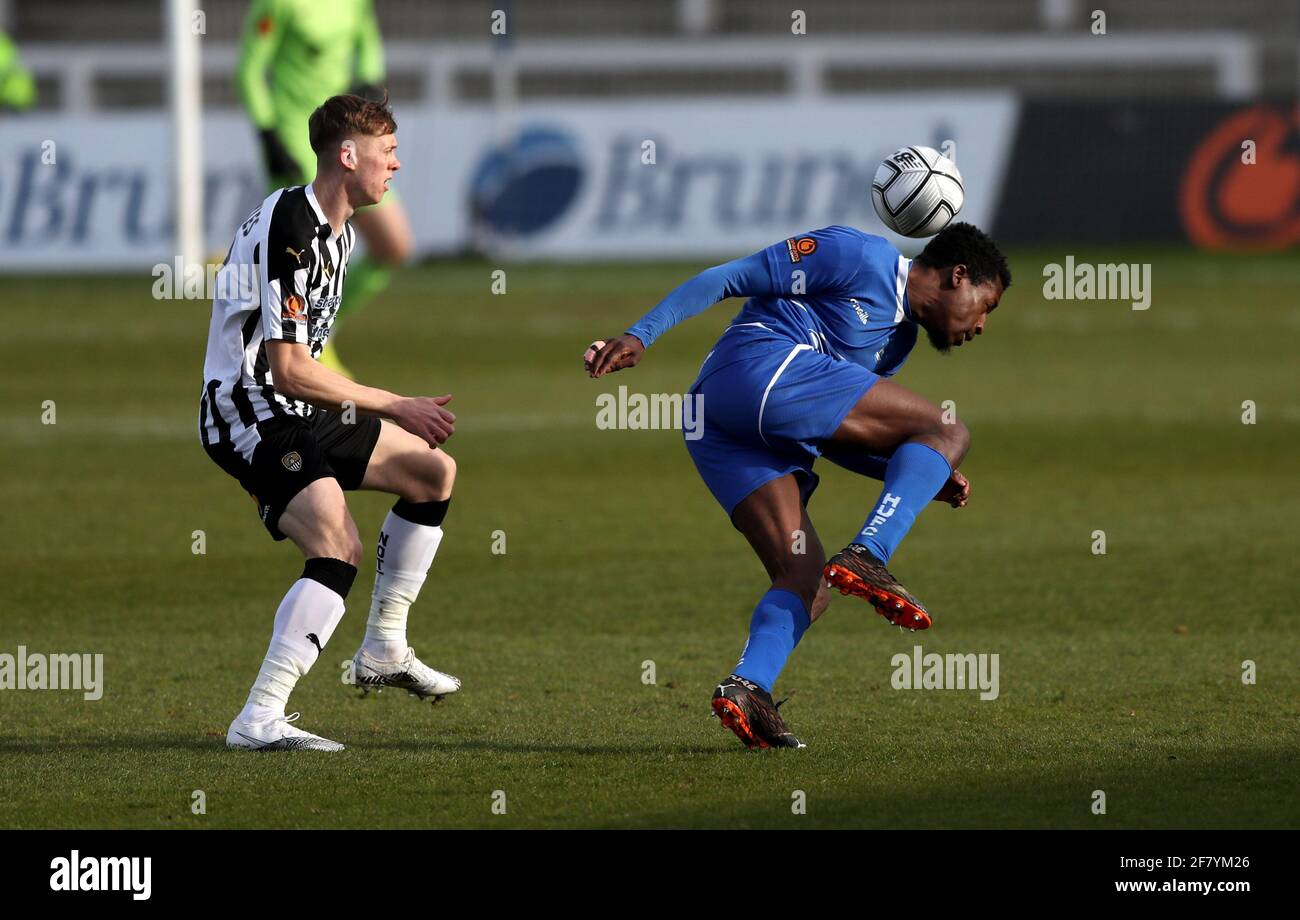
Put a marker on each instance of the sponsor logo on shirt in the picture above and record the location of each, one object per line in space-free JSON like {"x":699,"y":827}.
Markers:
{"x":803,"y":246}
{"x":862,"y":314}
{"x":295,"y":309}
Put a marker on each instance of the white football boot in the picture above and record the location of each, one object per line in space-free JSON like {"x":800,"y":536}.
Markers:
{"x":410,"y":674}
{"x":275,"y":735}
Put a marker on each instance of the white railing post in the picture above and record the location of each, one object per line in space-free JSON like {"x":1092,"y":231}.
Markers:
{"x":807,"y":73}
{"x":1056,"y":15}
{"x":187,"y":129}
{"x":696,"y":17}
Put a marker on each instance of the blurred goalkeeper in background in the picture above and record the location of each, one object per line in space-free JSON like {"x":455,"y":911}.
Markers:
{"x":294,"y":55}
{"x":17,"y":89}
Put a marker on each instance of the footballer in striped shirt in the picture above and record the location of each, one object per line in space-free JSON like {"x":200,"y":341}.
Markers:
{"x":296,"y":435}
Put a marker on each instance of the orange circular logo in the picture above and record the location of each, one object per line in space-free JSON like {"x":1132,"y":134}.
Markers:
{"x":806,"y":245}
{"x":1241,"y":187}
{"x":294,"y":307}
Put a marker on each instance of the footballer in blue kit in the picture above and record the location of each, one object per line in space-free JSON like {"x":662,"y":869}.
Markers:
{"x":800,"y":373}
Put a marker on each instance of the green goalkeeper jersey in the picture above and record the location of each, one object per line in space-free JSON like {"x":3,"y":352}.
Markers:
{"x":17,"y":90}
{"x":295,"y":54}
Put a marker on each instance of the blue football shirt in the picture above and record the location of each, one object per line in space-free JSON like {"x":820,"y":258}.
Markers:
{"x":839,"y":290}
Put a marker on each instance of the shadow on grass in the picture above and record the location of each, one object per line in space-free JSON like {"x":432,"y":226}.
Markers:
{"x":155,"y":743}
{"x":1240,"y":788}
{"x":144,"y":744}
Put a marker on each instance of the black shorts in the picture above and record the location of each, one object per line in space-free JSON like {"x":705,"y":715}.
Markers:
{"x":293,"y":453}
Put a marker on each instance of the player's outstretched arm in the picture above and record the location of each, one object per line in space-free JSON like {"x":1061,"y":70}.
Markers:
{"x":747,"y":277}
{"x":826,"y":260}
{"x":297,"y":376}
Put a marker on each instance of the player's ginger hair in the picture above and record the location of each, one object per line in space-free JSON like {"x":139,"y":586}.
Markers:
{"x":341,"y":116}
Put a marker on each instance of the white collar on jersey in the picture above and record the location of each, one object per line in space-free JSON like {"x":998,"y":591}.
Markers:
{"x":321,"y":220}
{"x":902,"y":309}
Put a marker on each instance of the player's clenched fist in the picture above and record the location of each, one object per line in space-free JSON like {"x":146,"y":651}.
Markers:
{"x":425,"y":417}
{"x":606,"y":357}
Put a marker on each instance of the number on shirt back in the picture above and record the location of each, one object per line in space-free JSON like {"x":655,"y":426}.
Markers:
{"x":248,"y":225}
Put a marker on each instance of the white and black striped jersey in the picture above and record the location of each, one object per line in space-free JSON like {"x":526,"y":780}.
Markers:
{"x":282,"y":280}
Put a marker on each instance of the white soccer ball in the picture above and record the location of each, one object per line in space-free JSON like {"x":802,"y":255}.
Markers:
{"x":917,"y":191}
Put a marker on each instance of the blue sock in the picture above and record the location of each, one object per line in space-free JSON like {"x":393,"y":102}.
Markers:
{"x":914,"y":476}
{"x":775,"y":629}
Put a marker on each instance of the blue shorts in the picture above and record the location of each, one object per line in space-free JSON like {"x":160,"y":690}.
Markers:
{"x":768,"y":402}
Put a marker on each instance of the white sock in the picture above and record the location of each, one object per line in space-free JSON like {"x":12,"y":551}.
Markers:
{"x":405,"y":552}
{"x":308,"y":609}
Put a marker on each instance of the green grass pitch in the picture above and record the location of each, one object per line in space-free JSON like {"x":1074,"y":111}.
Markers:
{"x":1119,"y":672}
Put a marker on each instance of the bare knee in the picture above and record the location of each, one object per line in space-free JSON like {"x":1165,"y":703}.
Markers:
{"x":333,"y":540}
{"x":342,"y":541}
{"x":338,"y":539}
{"x":354,"y":551}
{"x":448,"y":477}
{"x":951,"y":439}
{"x":434,"y":482}
{"x":960,"y":442}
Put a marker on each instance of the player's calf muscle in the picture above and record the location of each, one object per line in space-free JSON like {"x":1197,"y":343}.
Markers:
{"x":774,"y":522}
{"x":797,"y":572}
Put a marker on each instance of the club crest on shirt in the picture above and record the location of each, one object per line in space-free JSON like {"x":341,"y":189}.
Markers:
{"x":803,"y":246}
{"x":295,"y":310}
{"x":292,"y":461}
